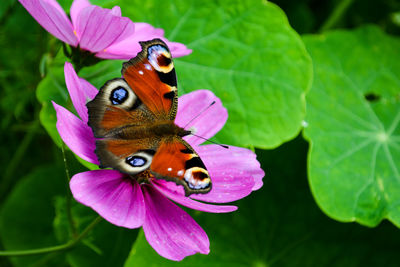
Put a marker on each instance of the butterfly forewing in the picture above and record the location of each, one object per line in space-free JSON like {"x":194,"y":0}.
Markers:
{"x":116,"y":106}
{"x":151,"y":74}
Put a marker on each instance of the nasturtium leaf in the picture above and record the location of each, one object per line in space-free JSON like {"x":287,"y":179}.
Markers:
{"x":246,"y":53}
{"x":27,"y":214}
{"x":280,"y":225}
{"x":353,"y":114}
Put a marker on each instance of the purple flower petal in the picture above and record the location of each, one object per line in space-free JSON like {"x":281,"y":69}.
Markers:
{"x":147,"y":30}
{"x":117,"y":198}
{"x":88,"y":89}
{"x":180,"y":198}
{"x":129,"y":47}
{"x":76,"y":134}
{"x":50,"y":15}
{"x":177,"y":49}
{"x":99,"y":28}
{"x":76,"y":8}
{"x":79,"y":90}
{"x":116,"y":11}
{"x":208,"y":123}
{"x":217,"y":157}
{"x":228,"y":184}
{"x":170,"y":230}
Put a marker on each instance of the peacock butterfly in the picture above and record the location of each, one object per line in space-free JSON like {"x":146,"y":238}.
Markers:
{"x":132,"y":119}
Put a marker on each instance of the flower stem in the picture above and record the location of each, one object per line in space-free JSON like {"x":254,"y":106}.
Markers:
{"x":71,"y":221}
{"x":69,"y":245}
{"x":336,"y":15}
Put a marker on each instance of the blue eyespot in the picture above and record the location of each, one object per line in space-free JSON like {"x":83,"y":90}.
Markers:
{"x":118,"y":96}
{"x":156,"y":49}
{"x":136,"y":161}
{"x":158,"y":57}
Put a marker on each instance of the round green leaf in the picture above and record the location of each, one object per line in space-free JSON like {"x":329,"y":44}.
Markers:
{"x":247,"y":54}
{"x":353,"y":112}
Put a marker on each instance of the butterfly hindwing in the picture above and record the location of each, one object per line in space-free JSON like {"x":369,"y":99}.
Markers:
{"x":175,"y":160}
{"x":151,"y":75}
{"x":128,"y":156}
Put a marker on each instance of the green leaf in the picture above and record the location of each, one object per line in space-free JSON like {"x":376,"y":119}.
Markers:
{"x":107,"y":244}
{"x":279,"y":225}
{"x":353,"y":112}
{"x":247,"y":54}
{"x":27,"y":215}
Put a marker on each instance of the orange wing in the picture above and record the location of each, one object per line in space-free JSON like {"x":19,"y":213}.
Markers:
{"x":151,"y":75}
{"x":175,"y":160}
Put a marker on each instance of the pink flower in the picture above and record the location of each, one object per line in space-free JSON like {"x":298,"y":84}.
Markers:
{"x":98,"y":30}
{"x":235,"y":173}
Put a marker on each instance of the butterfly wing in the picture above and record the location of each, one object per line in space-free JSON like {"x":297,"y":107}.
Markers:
{"x":147,"y":92}
{"x":116,"y":107}
{"x":120,"y":123}
{"x":175,"y":160}
{"x":151,"y":75}
{"x":122,"y":113}
{"x":126,"y":112}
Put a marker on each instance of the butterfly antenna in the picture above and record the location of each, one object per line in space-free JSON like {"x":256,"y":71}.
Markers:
{"x":201,"y":112}
{"x":195,"y":117}
{"x":224,"y":146}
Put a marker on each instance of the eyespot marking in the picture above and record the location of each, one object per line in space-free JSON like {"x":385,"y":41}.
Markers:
{"x":160,"y":58}
{"x":136,"y":161}
{"x":197,"y":178}
{"x":117,"y":92}
{"x":118,"y":95}
{"x":163,"y":60}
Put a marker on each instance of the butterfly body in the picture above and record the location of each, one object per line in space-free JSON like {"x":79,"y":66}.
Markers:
{"x":133,"y":117}
{"x":159,"y":129}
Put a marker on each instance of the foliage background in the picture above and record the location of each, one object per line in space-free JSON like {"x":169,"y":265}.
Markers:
{"x":273,"y":81}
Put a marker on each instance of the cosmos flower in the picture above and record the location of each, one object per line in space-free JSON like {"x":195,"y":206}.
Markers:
{"x":121,"y":200}
{"x":103,"y":32}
